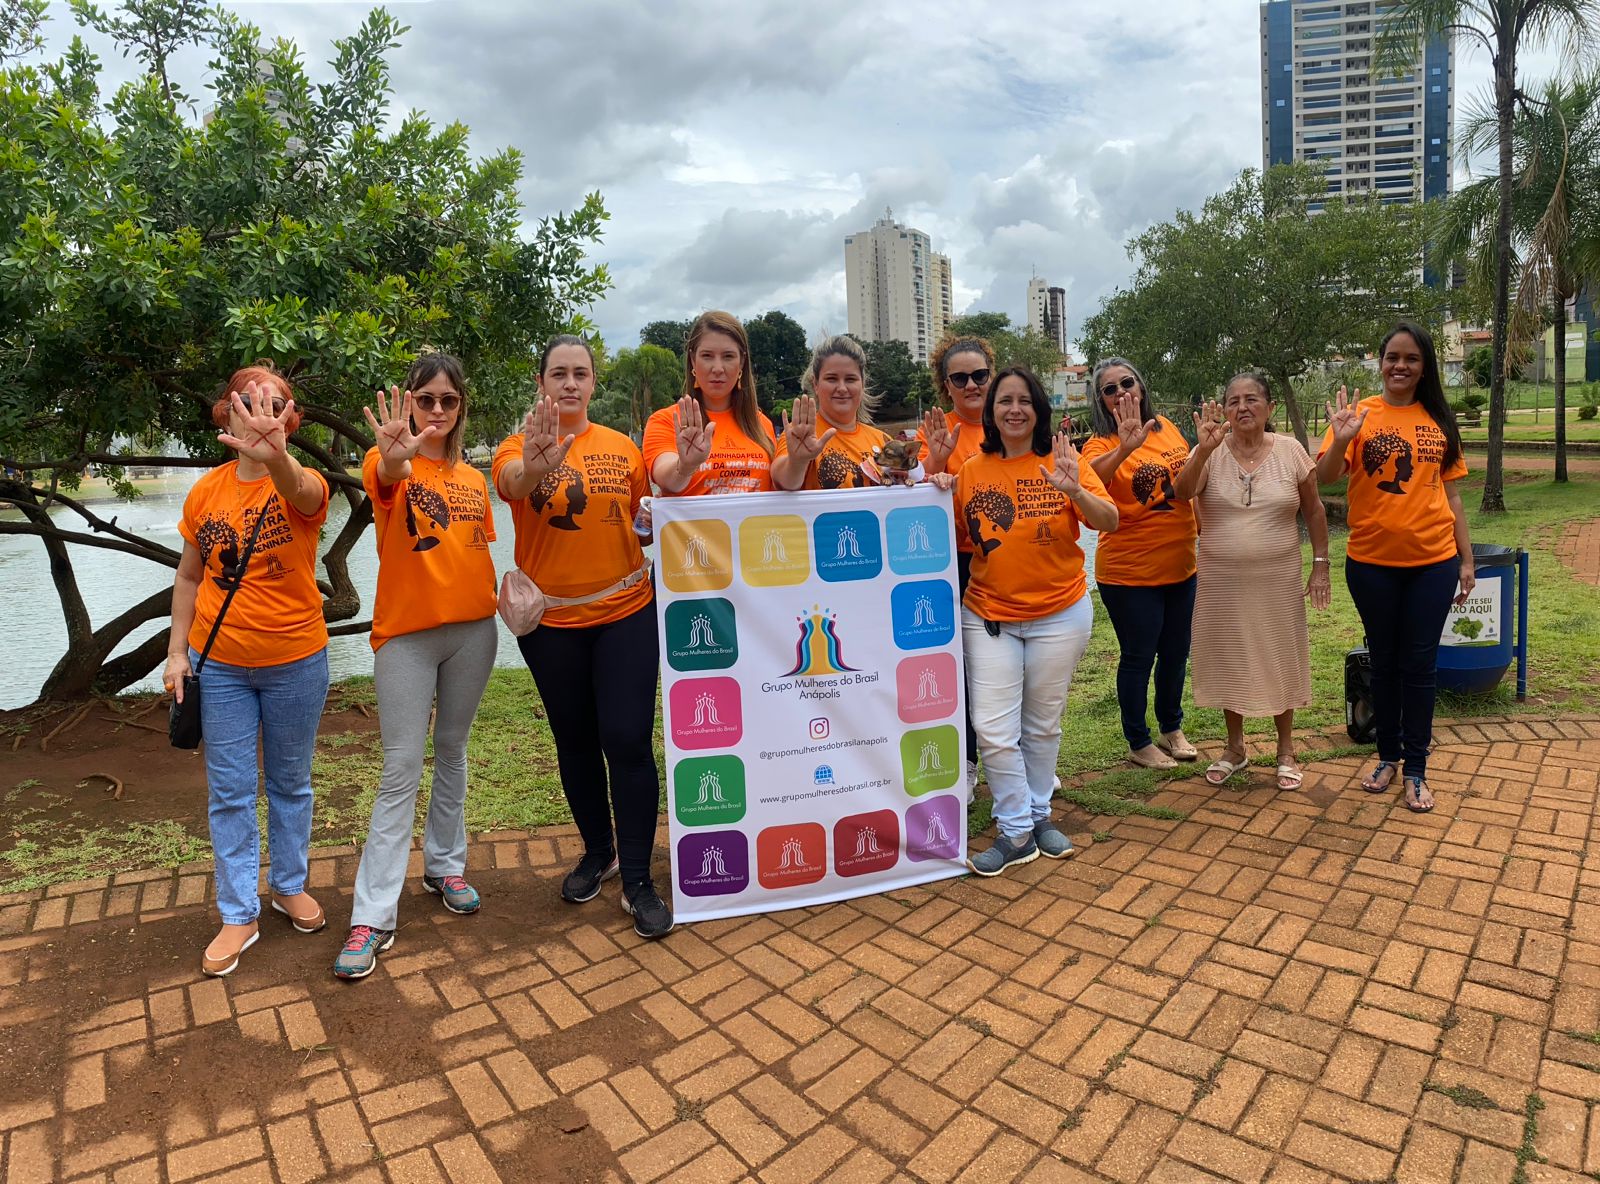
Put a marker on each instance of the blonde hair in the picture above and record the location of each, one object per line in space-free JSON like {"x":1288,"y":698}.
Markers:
{"x":842,"y":346}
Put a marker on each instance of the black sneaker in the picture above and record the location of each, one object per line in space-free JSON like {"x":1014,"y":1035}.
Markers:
{"x":651,"y":915}
{"x":583,"y":882}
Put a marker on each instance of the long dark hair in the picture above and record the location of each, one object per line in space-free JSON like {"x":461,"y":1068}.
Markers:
{"x":1430,"y":389}
{"x":1042,"y":443}
{"x":1104,"y":423}
{"x":746,"y":411}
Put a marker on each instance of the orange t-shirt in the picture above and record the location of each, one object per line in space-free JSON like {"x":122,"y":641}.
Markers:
{"x":839,"y":466}
{"x":1026,"y":562}
{"x":1154,"y":540}
{"x":737,"y":463}
{"x":1398,"y":515}
{"x":434,"y":566}
{"x":969,"y":441}
{"x":590,"y":544}
{"x":276,"y":616}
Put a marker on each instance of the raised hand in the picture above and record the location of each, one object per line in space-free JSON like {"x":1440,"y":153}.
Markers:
{"x":694,"y":434}
{"x":1210,"y":426}
{"x":1130,"y":431}
{"x":941,"y":440}
{"x":1344,"y":419}
{"x":263,"y":434}
{"x":1064,"y":473}
{"x":543,"y":445}
{"x":391,"y":427}
{"x":800,"y":433}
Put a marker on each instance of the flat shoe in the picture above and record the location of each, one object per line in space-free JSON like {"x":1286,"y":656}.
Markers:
{"x":1178,"y":752}
{"x":222,"y":967}
{"x":312,"y":924}
{"x":1162,"y":762}
{"x":1290,"y":777}
{"x":1369,"y":782}
{"x":1414,"y":784}
{"x":1220,"y":770}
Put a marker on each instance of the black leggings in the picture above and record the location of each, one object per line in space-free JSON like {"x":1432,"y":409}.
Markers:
{"x":1152,"y":624}
{"x":599,"y":690}
{"x":1403,"y":610}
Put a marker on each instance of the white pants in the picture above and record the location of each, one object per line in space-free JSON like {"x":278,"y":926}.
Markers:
{"x":1017,"y":687}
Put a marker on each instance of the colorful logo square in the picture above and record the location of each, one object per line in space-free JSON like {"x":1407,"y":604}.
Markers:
{"x":866,"y":843}
{"x":919,"y":540}
{"x":930,"y":759}
{"x":773,"y":550}
{"x":701,"y":634}
{"x":933,"y":829}
{"x":848,"y":546}
{"x":696,"y":556}
{"x":715,"y":863}
{"x":706,"y":713}
{"x":927,"y":687}
{"x":788,"y":856}
{"x":923,"y":614}
{"x":708,"y":790}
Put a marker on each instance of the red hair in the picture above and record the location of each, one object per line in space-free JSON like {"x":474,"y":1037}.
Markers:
{"x":262,"y":374}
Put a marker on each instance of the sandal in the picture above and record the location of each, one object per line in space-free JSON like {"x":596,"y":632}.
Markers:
{"x":1370,"y":781}
{"x":1159,"y":761}
{"x":1220,"y":770}
{"x":1177,"y":746}
{"x":1415,"y":787}
{"x":1290,"y":777}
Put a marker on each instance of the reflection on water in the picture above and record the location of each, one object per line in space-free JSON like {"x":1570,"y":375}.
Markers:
{"x":111,"y":581}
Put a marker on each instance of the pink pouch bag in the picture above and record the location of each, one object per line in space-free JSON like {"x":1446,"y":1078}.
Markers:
{"x":523,"y":604}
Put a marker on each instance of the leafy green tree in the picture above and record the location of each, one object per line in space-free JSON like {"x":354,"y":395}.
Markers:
{"x":892,"y":376}
{"x":671,"y":335}
{"x":980,"y":324}
{"x":646,"y":379}
{"x":146,"y":255}
{"x":779,"y":354}
{"x":1480,"y":363}
{"x":1504,"y":29}
{"x":1029,"y":348}
{"x":1555,"y":221}
{"x":1257,"y":279}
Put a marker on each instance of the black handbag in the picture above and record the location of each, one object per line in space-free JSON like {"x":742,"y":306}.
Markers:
{"x":183,"y":721}
{"x":1360,"y":722}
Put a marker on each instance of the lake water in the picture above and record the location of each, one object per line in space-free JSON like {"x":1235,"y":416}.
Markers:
{"x":110,"y":581}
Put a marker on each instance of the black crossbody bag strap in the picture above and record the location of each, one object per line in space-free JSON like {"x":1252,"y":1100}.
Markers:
{"x":244,"y":562}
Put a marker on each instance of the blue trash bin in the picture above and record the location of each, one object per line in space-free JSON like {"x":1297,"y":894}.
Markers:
{"x":1478,"y":642}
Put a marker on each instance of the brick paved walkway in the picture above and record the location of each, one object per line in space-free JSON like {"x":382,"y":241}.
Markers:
{"x":1578,"y":546}
{"x":1296,"y":987}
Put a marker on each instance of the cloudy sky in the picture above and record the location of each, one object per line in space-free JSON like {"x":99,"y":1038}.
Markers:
{"x":736,"y":144}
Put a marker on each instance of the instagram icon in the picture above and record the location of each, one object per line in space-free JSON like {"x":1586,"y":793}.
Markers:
{"x":819,"y":728}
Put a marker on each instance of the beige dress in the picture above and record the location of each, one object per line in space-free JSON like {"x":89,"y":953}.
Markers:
{"x":1251,"y":652}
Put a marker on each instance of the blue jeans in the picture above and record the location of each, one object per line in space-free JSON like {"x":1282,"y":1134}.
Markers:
{"x":1403,"y":610}
{"x":1152,"y":624}
{"x":282,"y":704}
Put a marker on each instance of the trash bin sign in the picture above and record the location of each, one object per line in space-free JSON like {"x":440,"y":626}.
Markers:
{"x":1478,"y":641}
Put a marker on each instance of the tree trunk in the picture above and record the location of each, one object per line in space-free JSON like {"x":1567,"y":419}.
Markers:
{"x":1297,"y":415}
{"x":74,"y":674}
{"x":1559,"y":320}
{"x":83,"y":670}
{"x":344,"y":601}
{"x":119,"y":674}
{"x":1505,"y":76}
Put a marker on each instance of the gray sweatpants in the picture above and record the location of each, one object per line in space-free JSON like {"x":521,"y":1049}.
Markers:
{"x":451,"y":662}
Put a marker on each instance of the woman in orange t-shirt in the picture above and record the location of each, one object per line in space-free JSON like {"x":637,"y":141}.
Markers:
{"x":434,"y":634}
{"x":837,"y":401}
{"x":964,"y":367}
{"x":1146,"y":572}
{"x":715,"y":439}
{"x":267,"y":673}
{"x":1026,"y":615}
{"x":575,"y":489}
{"x":1409,"y":553}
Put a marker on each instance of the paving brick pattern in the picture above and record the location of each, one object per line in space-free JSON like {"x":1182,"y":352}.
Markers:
{"x":1578,"y":546}
{"x":1281,"y":987}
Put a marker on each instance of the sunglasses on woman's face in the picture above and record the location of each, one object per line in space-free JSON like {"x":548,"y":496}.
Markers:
{"x":961,"y":378}
{"x":1127,"y":384}
{"x":443,"y":402}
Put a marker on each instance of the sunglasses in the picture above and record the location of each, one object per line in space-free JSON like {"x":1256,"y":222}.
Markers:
{"x":961,"y":378}
{"x":1127,"y":384}
{"x":443,"y":402}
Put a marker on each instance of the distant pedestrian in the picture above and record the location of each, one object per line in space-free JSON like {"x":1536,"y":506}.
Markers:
{"x":266,"y":677}
{"x":1409,"y":553}
{"x":434,"y":633}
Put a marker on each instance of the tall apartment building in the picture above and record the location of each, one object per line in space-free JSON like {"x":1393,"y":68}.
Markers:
{"x":1322,"y":100}
{"x":1047,"y":312}
{"x":897,"y":286}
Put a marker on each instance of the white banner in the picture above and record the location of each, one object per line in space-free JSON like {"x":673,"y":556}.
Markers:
{"x":813,"y":696}
{"x":1477,"y":622}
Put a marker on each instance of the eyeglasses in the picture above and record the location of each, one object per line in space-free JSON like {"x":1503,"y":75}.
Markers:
{"x":1127,"y":384}
{"x":961,"y":378}
{"x":443,"y":402}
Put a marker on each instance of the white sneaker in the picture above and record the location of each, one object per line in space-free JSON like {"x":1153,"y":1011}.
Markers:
{"x":1056,"y":784}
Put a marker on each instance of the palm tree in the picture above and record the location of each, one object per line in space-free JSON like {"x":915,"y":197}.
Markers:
{"x":1555,"y":216}
{"x":1504,"y":28}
